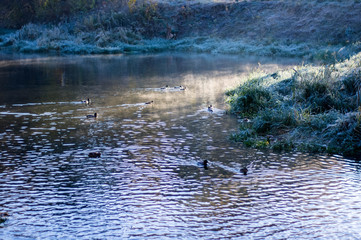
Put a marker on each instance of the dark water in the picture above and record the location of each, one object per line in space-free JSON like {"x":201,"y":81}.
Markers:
{"x":148,"y":182}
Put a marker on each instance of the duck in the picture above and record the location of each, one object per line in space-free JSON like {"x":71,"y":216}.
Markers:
{"x":94,"y":154}
{"x":126,"y":151}
{"x":165,"y":87}
{"x":275,"y":75}
{"x":180,"y":87}
{"x":92,"y":116}
{"x":244,"y":170}
{"x":150,"y":102}
{"x":87,"y":102}
{"x":3,"y":216}
{"x":205,"y":164}
{"x":269,"y":139}
{"x":210,"y":108}
{"x":246,"y":120}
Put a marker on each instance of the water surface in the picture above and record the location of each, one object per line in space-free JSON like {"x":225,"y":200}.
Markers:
{"x":149,"y":182}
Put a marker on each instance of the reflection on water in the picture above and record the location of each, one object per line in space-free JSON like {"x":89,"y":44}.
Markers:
{"x":149,"y":181}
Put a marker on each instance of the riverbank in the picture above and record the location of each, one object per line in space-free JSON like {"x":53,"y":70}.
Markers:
{"x":308,"y":108}
{"x":312,"y":30}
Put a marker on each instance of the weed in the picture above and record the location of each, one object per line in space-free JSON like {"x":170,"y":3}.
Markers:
{"x":261,"y":144}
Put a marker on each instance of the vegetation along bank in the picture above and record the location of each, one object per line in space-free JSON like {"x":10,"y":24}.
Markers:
{"x":312,"y":109}
{"x":320,"y":30}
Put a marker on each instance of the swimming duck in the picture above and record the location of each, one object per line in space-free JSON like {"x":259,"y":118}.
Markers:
{"x":269,"y":139}
{"x":94,"y":154}
{"x":87,"y":102}
{"x":205,"y":164}
{"x":180,"y":87}
{"x":210,"y":108}
{"x":244,"y":170}
{"x":246,"y":120}
{"x":92,"y":116}
{"x":126,"y":151}
{"x":165,"y":87}
{"x":3,"y":216}
{"x":150,"y":102}
{"x":275,"y":75}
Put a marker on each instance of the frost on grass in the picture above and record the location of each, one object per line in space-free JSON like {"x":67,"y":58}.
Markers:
{"x":62,"y":38}
{"x":67,"y":38}
{"x":310,"y":108}
{"x":321,"y":30}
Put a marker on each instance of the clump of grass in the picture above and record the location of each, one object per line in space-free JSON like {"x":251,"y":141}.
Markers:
{"x":280,"y":118}
{"x":313,"y":109}
{"x":324,"y":90}
{"x":30,"y":32}
{"x":345,"y":134}
{"x":243,"y":134}
{"x":250,"y":98}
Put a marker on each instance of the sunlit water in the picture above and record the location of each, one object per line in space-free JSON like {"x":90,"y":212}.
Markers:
{"x":148,"y":182}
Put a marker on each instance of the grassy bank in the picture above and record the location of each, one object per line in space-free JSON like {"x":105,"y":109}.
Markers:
{"x":68,"y":39}
{"x":325,"y":30}
{"x":313,"y":109}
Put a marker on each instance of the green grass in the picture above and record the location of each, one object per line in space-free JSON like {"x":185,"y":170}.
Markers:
{"x":312,"y":109}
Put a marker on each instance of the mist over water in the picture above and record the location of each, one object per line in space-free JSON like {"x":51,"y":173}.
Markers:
{"x":149,"y":182}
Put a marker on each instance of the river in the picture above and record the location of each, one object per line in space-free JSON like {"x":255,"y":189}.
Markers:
{"x":149,"y":182}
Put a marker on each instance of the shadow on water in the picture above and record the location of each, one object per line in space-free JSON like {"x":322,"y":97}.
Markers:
{"x":151,"y":180}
